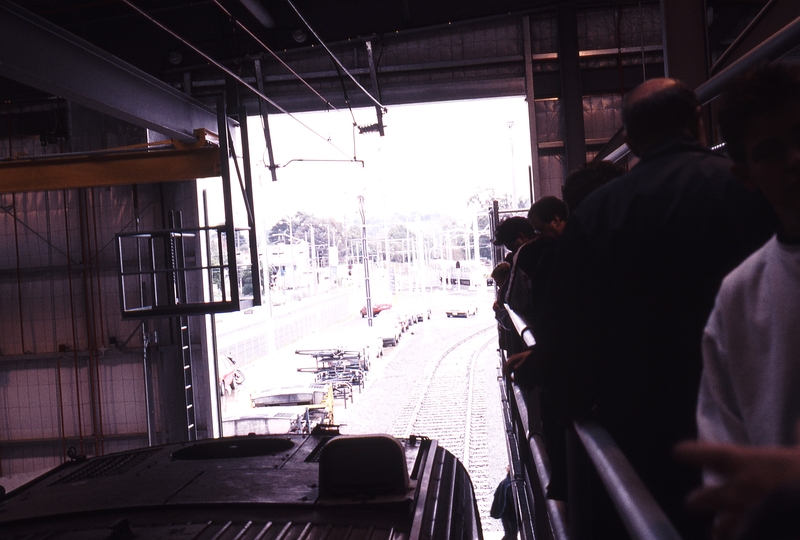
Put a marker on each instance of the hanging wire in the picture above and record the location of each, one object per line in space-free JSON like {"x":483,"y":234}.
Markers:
{"x":336,"y":60}
{"x":230,"y":73}
{"x":270,"y":51}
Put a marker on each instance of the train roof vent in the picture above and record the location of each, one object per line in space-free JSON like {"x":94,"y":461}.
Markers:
{"x":362,"y":466}
{"x":106,"y":466}
{"x":233,"y":448}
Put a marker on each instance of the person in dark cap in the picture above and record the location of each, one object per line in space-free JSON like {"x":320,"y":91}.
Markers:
{"x":513,"y":232}
{"x":634,"y":281}
{"x":519,"y":237}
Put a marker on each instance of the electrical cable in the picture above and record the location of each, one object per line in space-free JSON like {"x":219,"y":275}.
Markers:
{"x":336,"y":60}
{"x":230,"y":73}
{"x":270,"y":51}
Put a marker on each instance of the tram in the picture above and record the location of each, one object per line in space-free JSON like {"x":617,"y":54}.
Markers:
{"x":322,"y":485}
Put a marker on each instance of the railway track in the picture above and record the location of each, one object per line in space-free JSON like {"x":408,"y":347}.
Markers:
{"x":449,"y":406}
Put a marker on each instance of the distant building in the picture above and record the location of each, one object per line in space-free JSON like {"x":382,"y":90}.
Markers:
{"x":292,"y":262}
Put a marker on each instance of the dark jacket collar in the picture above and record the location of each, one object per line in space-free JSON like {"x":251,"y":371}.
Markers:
{"x":673,"y":144}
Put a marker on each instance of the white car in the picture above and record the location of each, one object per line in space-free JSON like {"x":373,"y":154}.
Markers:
{"x":389,"y":327}
{"x":364,"y":339}
{"x":462,"y":310}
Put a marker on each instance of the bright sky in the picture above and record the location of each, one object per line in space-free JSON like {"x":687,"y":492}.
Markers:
{"x":432,"y":158}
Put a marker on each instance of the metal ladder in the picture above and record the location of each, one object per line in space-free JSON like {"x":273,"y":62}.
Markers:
{"x":178,"y":263}
{"x":188,"y":382}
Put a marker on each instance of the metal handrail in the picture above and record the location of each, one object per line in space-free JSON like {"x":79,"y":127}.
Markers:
{"x":521,"y":326}
{"x":637,"y":508}
{"x":772,"y":48}
{"x":556,"y":512}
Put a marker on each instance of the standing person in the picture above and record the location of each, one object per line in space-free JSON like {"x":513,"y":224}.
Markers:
{"x":548,"y":216}
{"x":503,"y":507}
{"x":751,"y":375}
{"x":634,"y":280}
{"x":518,"y":236}
{"x":500,"y":276}
{"x":583,"y":181}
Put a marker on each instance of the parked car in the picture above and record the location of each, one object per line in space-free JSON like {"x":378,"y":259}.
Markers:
{"x":230,"y":376}
{"x":406,"y":318}
{"x":464,"y":309}
{"x":364,"y":339}
{"x":376,"y":308}
{"x":389,"y":328}
{"x":421,"y":312}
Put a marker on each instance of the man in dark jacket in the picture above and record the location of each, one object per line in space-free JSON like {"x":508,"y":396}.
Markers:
{"x":634,"y":281}
{"x":503,"y":508}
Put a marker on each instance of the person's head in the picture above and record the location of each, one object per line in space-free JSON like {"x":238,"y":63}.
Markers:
{"x":500,"y":273}
{"x":513,"y":232}
{"x":586,"y":179}
{"x":759,"y":119}
{"x":659,"y":109}
{"x":548,"y":216}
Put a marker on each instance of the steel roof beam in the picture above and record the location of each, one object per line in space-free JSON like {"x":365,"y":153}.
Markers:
{"x":44,"y":56}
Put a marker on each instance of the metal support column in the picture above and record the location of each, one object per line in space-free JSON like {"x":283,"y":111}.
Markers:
{"x":249,"y":196}
{"x":683,"y":26}
{"x":262,"y":108}
{"x":373,"y":75}
{"x":230,"y":232}
{"x":571,"y":91}
{"x":534,"y":179}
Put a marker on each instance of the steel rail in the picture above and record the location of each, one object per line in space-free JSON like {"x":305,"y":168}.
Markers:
{"x":521,"y":326}
{"x":556,"y":512}
{"x":640,"y":513}
{"x":772,"y":48}
{"x":426,"y":384}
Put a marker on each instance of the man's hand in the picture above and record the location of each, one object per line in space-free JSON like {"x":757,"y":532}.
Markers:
{"x":514,"y":361}
{"x":746,"y":474}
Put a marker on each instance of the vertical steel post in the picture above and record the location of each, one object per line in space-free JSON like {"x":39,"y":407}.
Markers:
{"x":262,"y":108}
{"x":571,"y":92}
{"x":364,"y":257}
{"x":225,"y":173}
{"x":255,"y":272}
{"x":213,"y":316}
{"x":373,"y":75}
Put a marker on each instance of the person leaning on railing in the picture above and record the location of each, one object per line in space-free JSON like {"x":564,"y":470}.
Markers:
{"x":749,"y":387}
{"x":633,"y":283}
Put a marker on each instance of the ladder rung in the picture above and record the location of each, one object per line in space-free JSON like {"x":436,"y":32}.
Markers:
{"x":187,"y":387}
{"x":184,"y":327}
{"x":189,"y":406}
{"x":191,"y":426}
{"x":187,"y":366}
{"x":185,"y":347}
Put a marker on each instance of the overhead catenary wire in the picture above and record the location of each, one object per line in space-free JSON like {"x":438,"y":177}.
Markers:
{"x":230,"y":73}
{"x":333,"y":57}
{"x":274,"y":55}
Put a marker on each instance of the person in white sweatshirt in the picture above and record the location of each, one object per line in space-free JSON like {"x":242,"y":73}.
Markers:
{"x":750,"y":386}
{"x":749,"y":400}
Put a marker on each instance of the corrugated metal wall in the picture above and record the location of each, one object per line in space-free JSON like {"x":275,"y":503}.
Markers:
{"x":71,"y":369}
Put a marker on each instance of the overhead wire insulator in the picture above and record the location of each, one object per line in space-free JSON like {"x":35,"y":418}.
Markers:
{"x":372,"y":128}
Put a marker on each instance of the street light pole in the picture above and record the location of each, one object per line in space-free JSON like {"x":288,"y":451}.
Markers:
{"x":364,"y":257}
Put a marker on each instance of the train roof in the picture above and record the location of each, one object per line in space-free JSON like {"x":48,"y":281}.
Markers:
{"x":288,"y":486}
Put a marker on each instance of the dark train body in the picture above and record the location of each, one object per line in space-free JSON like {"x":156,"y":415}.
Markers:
{"x":283,"y":487}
